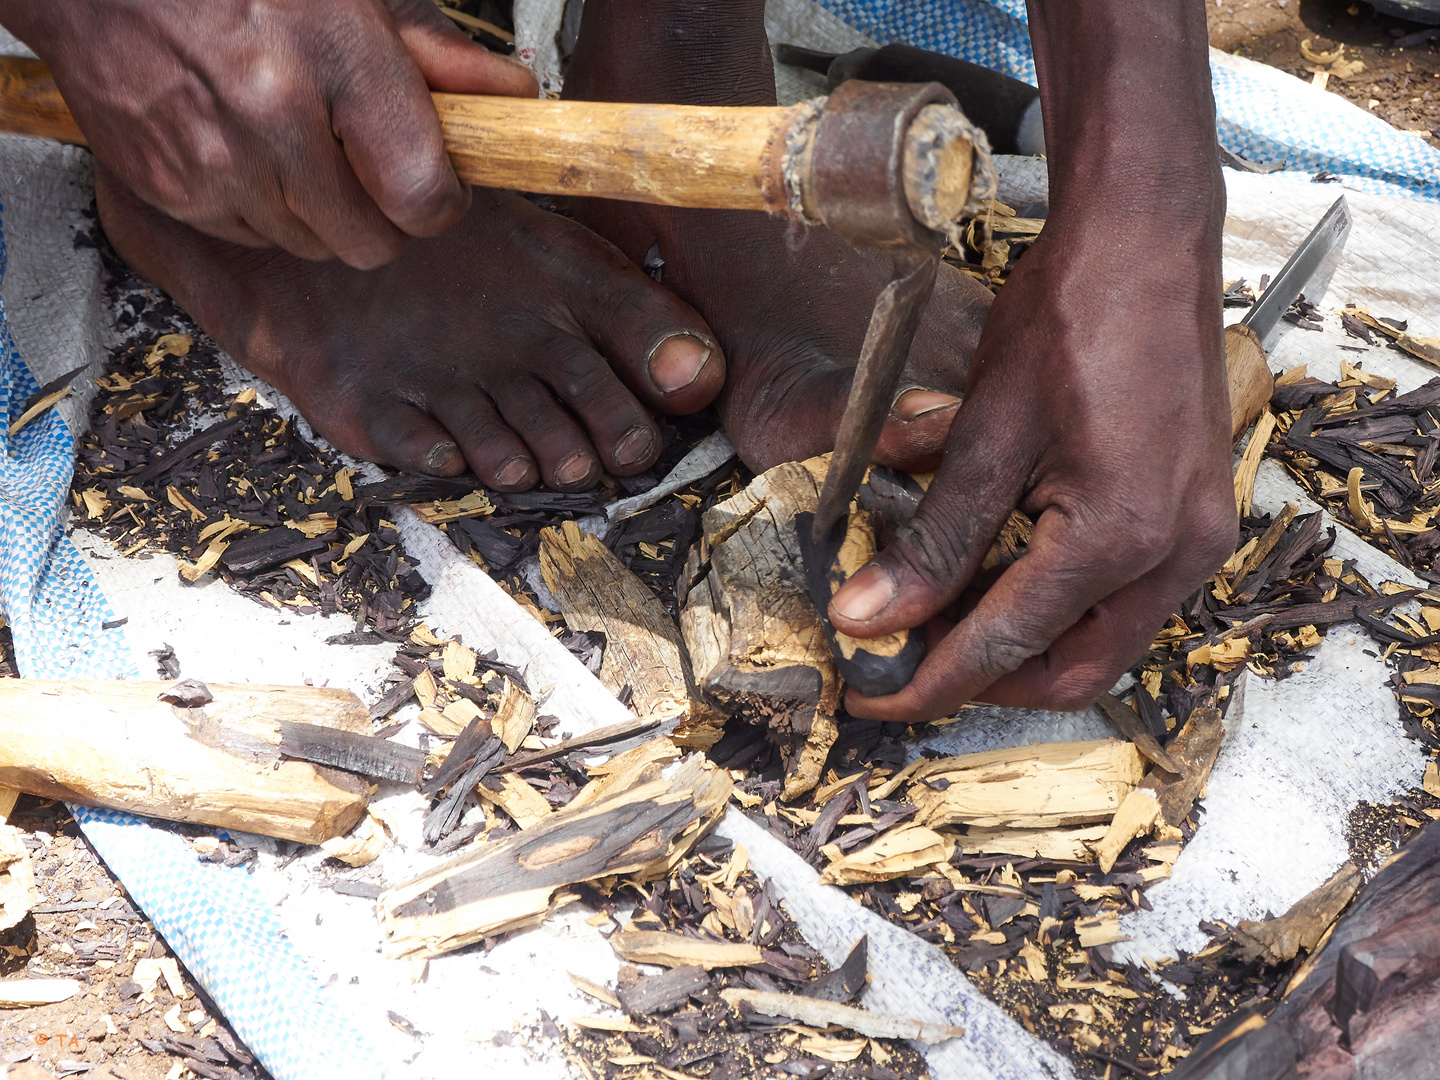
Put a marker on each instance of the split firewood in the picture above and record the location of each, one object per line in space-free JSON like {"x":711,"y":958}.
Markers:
{"x":1042,"y":786}
{"x":818,"y":1013}
{"x":17,"y":878}
{"x":1303,"y":925}
{"x":677,"y":950}
{"x":514,"y":882}
{"x":208,"y":756}
{"x":1057,"y":845}
{"x":1129,"y":724}
{"x":517,"y":798}
{"x":514,"y":716}
{"x":643,"y":650}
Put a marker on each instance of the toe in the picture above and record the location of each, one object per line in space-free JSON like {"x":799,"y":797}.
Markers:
{"x":490,"y":446}
{"x":567,"y":461}
{"x":400,"y":435}
{"x":655,"y":342}
{"x":620,"y":429}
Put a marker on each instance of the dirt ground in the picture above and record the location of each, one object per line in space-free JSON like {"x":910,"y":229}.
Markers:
{"x":87,"y":930}
{"x":1400,"y":84}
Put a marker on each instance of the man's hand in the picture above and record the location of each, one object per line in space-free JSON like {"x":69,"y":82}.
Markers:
{"x":305,"y":124}
{"x":1096,"y":399}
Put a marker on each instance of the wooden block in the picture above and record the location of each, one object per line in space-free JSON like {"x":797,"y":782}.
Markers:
{"x":116,"y":744}
{"x":1042,"y":786}
{"x":23,"y":993}
{"x":516,"y":881}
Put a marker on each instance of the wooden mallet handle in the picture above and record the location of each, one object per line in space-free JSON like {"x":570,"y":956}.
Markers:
{"x":717,"y":157}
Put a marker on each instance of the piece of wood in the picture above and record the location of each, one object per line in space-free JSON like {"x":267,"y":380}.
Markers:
{"x":711,"y":156}
{"x":1195,"y":748}
{"x":1042,"y":786}
{"x":900,"y":852}
{"x":1249,"y":466}
{"x":1247,"y":375}
{"x":677,"y":950}
{"x":517,"y":798}
{"x":513,"y":882}
{"x":1303,"y":925}
{"x":1059,"y":845}
{"x":755,"y":641}
{"x":1136,"y":817}
{"x":643,"y":649}
{"x":116,"y":744}
{"x":514,"y":716}
{"x":24,"y":993}
{"x":17,"y":878}
{"x":663,"y":993}
{"x":844,"y":983}
{"x":8,"y":798}
{"x":819,"y":1013}
{"x":604,"y":736}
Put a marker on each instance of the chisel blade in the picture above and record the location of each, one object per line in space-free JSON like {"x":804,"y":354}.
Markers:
{"x":1294,"y":277}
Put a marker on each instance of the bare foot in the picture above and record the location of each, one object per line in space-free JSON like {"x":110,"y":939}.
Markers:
{"x":789,"y":307}
{"x":517,"y":343}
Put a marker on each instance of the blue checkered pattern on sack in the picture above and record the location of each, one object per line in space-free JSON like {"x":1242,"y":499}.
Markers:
{"x":214,"y":918}
{"x":1264,"y":115}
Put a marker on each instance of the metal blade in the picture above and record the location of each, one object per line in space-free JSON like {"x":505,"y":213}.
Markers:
{"x":897,"y":314}
{"x":1294,"y":277}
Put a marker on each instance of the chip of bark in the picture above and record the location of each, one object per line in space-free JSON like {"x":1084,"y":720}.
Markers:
{"x":259,"y":551}
{"x":352,"y":752}
{"x":187,"y":693}
{"x":663,"y":993}
{"x":872,"y":674}
{"x":1129,"y":724}
{"x":846,"y":981}
{"x":1383,"y":966}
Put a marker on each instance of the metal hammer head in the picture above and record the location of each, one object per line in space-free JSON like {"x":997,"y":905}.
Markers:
{"x":885,"y":164}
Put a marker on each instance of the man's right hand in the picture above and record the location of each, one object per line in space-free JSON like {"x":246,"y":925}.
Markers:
{"x":303,"y":124}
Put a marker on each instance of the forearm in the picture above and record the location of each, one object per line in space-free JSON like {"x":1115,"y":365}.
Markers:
{"x":1129,"y":114}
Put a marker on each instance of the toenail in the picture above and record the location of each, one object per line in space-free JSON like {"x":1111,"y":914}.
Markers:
{"x":636,"y":445}
{"x":512,"y":471}
{"x":440,"y":455}
{"x":865,"y":595}
{"x":913,"y":404}
{"x":573,"y":469}
{"x":677,"y":361}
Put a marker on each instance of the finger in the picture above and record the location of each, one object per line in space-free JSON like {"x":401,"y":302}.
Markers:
{"x":1087,"y":659}
{"x":1032,"y":603}
{"x":382,"y":114}
{"x":928,"y":564}
{"x":452,"y":63}
{"x":620,"y":429}
{"x":326,"y":195}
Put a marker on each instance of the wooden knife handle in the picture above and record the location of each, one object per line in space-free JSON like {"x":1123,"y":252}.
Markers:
{"x":1247,"y":374}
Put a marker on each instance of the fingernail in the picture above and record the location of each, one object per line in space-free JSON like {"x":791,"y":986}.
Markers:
{"x":913,"y":404}
{"x":573,"y":469}
{"x":512,"y":471}
{"x":677,"y":361}
{"x":865,"y":595}
{"x":635,"y":446}
{"x":440,"y":455}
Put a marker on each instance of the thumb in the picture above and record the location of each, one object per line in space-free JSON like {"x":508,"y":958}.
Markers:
{"x":930,"y":561}
{"x":450,"y":62}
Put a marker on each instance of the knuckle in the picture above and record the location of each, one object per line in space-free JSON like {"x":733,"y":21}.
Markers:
{"x":421,"y":196}
{"x":1000,"y":652}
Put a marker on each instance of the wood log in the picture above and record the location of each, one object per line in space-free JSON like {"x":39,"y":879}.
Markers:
{"x":1042,"y":786}
{"x":116,"y":744}
{"x":515,"y":882}
{"x":643,"y":648}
